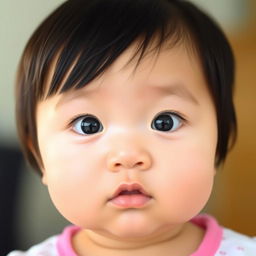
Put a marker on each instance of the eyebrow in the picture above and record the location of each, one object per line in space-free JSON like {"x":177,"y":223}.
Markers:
{"x":175,"y":89}
{"x":66,"y":97}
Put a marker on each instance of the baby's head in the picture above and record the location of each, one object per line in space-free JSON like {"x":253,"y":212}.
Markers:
{"x":112,"y":91}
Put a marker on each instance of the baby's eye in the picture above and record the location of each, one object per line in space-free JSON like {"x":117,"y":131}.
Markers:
{"x":167,"y":121}
{"x":87,"y":125}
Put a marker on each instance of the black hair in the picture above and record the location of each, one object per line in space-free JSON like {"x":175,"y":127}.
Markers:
{"x":86,"y":36}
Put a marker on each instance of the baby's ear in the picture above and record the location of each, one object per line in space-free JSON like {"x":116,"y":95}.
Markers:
{"x":44,"y":178}
{"x":32,"y":149}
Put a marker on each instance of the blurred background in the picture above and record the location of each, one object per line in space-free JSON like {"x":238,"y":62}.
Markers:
{"x":27,"y":215}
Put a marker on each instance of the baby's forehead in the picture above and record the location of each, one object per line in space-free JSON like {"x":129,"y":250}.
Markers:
{"x":170,"y":71}
{"x":131,"y":60}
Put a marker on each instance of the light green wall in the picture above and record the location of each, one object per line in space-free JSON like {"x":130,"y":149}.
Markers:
{"x":17,"y":21}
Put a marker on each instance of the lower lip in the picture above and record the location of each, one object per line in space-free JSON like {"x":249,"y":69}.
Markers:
{"x":130,"y":201}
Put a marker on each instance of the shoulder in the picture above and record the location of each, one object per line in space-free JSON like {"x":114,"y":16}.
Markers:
{"x":46,"y":248}
{"x":54,"y":246}
{"x":236,"y":244}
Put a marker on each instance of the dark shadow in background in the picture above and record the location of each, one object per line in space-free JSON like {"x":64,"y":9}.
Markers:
{"x":10,"y":174}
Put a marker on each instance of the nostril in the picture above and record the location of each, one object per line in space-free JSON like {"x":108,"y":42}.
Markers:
{"x":130,"y":166}
{"x":128,"y":160}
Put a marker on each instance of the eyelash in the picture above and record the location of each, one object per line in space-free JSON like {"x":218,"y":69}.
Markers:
{"x":77,"y":117}
{"x":176,"y":113}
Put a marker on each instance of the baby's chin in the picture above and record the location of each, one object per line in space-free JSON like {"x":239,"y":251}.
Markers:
{"x":136,"y":232}
{"x":131,"y":234}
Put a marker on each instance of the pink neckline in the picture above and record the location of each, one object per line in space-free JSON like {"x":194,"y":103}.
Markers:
{"x":64,"y":244}
{"x":212,"y":238}
{"x":209,"y":245}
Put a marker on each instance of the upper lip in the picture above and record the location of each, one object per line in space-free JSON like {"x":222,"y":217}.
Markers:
{"x":130,"y":187}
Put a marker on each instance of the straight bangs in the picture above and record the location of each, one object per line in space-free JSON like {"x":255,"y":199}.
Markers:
{"x":86,"y":38}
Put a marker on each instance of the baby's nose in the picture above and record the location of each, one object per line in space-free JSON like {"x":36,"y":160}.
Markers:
{"x":128,"y":159}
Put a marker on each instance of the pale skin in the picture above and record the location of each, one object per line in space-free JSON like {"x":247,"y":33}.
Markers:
{"x":176,"y":167}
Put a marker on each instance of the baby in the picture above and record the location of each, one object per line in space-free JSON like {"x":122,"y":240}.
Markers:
{"x":125,"y":109}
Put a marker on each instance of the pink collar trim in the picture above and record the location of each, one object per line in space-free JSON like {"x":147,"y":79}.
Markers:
{"x":212,"y":238}
{"x":209,"y":245}
{"x":64,"y":241}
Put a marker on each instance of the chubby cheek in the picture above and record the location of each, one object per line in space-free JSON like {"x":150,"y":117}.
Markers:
{"x":186,"y":184}
{"x":73,"y":183}
{"x":75,"y":203}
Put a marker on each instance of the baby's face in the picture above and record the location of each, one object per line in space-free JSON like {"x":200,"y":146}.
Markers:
{"x":155,"y":127}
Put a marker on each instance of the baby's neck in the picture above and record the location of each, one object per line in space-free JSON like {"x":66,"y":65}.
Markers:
{"x":181,"y":242}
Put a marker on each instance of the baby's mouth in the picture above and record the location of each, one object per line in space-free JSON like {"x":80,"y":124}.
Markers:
{"x":130,"y":196}
{"x":130,"y":189}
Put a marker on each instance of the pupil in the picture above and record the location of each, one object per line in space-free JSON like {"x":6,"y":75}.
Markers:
{"x":90,"y":125}
{"x":163,"y":123}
